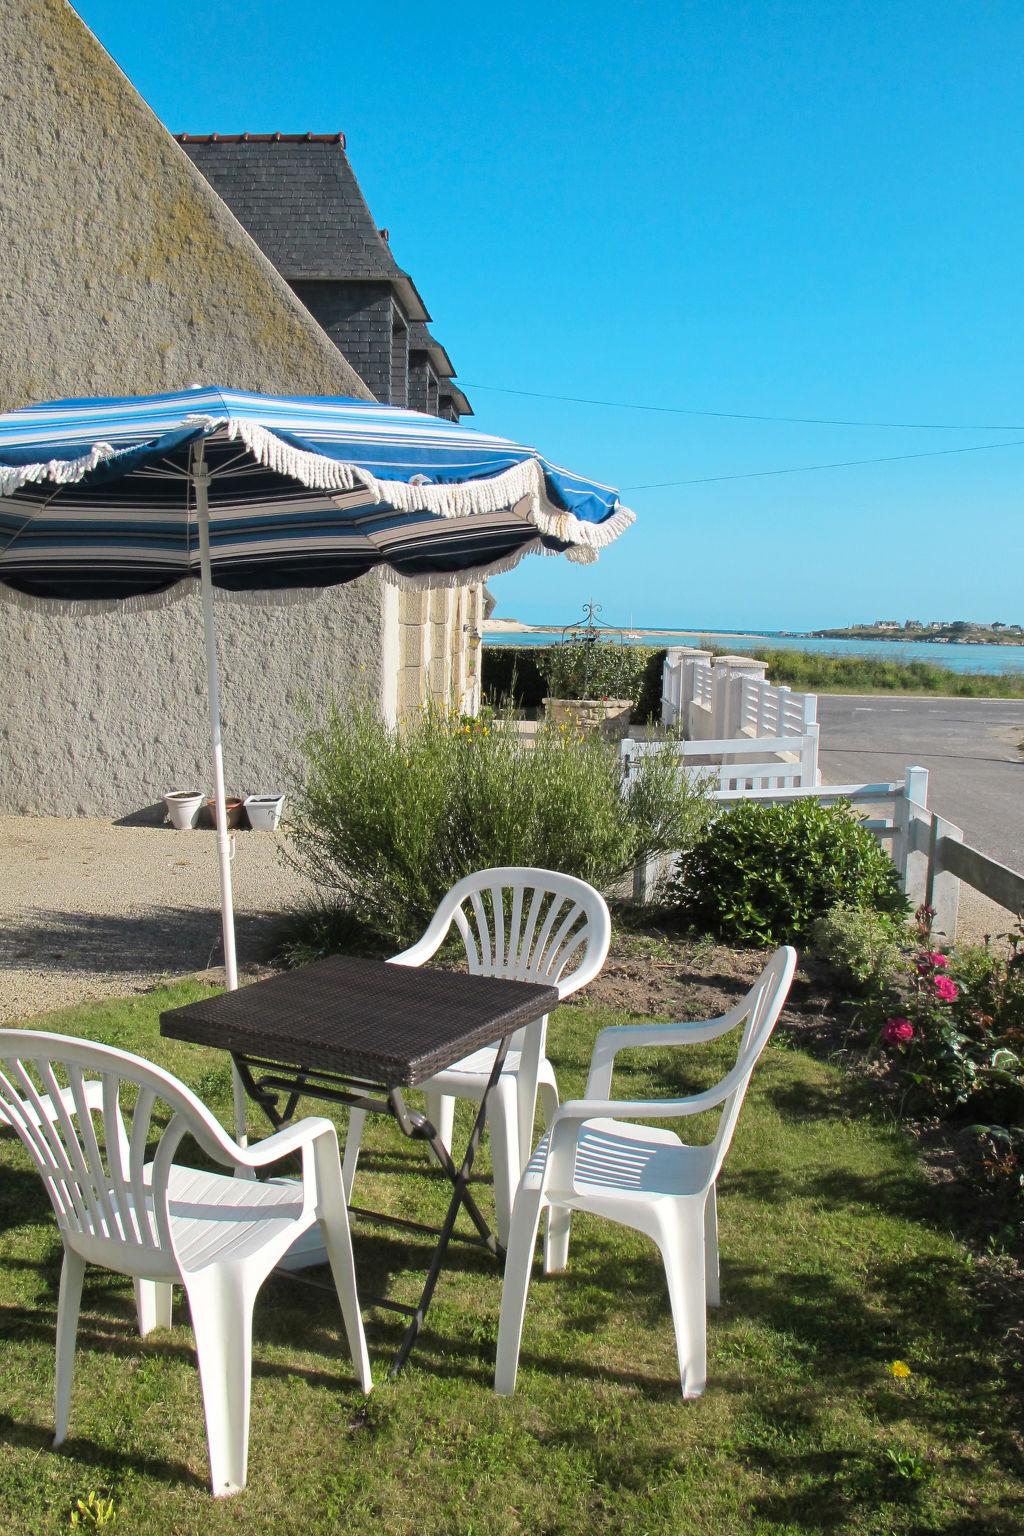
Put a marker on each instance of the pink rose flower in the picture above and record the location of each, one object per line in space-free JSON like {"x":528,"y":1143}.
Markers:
{"x":897,"y":1032}
{"x":931,"y":960}
{"x":946,"y":988}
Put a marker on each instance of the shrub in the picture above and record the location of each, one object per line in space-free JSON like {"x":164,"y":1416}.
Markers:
{"x":386,"y":821}
{"x":866,"y":947}
{"x":600,"y":670}
{"x":762,"y":874}
{"x":517,"y":676}
{"x":511,"y":677}
{"x":951,"y":1023}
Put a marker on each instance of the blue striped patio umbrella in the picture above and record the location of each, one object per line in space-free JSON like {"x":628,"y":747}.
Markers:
{"x":132,"y":499}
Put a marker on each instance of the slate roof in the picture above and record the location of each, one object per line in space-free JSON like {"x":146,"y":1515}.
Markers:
{"x":298,"y":197}
{"x":449,"y":390}
{"x":420,"y":340}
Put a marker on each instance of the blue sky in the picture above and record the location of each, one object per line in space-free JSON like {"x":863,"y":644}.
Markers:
{"x":803,"y":210}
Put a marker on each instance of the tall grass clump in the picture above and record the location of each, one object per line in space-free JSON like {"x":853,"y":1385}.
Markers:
{"x":878,"y":674}
{"x":386,"y":820}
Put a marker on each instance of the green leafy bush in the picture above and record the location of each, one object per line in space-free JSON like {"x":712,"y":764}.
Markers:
{"x":763,"y":874}
{"x":516,"y":676}
{"x":386,"y":821}
{"x":601,"y":670}
{"x":866,"y":947}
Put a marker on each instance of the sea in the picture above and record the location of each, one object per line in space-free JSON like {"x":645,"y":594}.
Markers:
{"x":960,"y":658}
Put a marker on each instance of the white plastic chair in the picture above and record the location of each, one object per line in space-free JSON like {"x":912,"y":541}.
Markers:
{"x":162,"y":1223}
{"x":641,"y":1177}
{"x":524,"y":925}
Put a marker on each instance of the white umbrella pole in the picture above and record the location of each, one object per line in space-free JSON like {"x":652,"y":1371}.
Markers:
{"x":201,"y":480}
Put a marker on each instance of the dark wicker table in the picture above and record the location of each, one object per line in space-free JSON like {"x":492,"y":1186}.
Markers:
{"x":357,"y":1032}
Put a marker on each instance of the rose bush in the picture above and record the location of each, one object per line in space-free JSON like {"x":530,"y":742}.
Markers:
{"x":951,"y":1024}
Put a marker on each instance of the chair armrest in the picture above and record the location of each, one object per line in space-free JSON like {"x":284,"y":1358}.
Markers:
{"x":420,"y":952}
{"x":577,"y":1110}
{"x":627,"y":1037}
{"x":292,"y":1138}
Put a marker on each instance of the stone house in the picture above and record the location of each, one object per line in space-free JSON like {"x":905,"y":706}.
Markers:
{"x":122,"y":271}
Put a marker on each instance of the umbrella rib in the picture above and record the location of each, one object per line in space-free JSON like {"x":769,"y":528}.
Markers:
{"x":42,"y":506}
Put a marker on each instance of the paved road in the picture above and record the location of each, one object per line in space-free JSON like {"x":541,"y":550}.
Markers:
{"x":969,"y":746}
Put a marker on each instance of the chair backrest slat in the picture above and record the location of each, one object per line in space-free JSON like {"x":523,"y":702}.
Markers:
{"x":472,"y":953}
{"x":118,"y":1157}
{"x":93,"y":1157}
{"x":515,"y":922}
{"x":501,"y":959}
{"x":136,"y":1163}
{"x":482,"y":932}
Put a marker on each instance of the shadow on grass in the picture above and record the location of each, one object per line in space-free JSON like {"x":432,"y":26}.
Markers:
{"x":116,"y":1335}
{"x":35,"y":1438}
{"x":833,"y":1489}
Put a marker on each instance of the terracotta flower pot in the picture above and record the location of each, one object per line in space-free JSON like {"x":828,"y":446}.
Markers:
{"x":233,"y":807}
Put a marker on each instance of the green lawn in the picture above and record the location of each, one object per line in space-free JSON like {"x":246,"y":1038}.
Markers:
{"x":838,"y":1259}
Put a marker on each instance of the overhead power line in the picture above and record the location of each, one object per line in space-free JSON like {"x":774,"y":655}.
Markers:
{"x":804,"y":469}
{"x":802,"y":421}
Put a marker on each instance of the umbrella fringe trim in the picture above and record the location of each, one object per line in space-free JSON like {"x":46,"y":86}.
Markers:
{"x":521,"y":487}
{"x":441,"y":581}
{"x":59,"y":471}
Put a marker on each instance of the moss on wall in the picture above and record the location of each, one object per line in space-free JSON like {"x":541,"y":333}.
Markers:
{"x":122,"y":272}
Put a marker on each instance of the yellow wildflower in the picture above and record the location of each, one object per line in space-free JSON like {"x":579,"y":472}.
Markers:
{"x":900,"y":1369}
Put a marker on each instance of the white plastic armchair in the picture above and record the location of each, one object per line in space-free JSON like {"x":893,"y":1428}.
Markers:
{"x":524,"y":925}
{"x":163,"y":1223}
{"x":643,"y":1177}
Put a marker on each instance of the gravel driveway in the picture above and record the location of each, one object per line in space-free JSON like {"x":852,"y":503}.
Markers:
{"x":88,"y":909}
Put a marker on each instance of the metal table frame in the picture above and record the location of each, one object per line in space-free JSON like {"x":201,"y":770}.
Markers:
{"x":265,"y":1081}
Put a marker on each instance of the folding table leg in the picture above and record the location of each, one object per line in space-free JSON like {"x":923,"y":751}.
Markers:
{"x":460,"y":1197}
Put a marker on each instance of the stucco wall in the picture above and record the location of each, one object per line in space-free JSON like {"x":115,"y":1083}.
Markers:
{"x":77,"y":738}
{"x":122,"y":272}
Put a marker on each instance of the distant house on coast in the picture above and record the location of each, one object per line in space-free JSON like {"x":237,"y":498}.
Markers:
{"x":123,"y":271}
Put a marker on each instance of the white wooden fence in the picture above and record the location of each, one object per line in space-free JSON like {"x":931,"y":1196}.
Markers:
{"x":739,"y":764}
{"x":723,"y":702}
{"x":929,"y":852}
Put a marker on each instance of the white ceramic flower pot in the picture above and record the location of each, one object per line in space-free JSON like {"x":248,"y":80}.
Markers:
{"x":264,"y":811}
{"x":183,"y":806}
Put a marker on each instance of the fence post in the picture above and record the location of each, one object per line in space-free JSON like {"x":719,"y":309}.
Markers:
{"x":727,"y":680}
{"x":942,"y":888}
{"x":911,"y":806}
{"x":809,"y":774}
{"x":672,"y":673}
